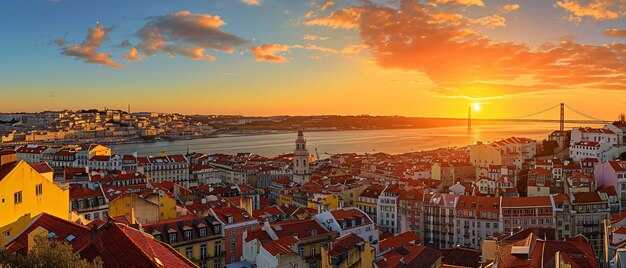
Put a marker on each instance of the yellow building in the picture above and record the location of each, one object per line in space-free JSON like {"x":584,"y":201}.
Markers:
{"x":349,"y":194}
{"x":25,"y":192}
{"x":348,"y":251}
{"x":144,"y":208}
{"x":197,"y":238}
{"x":284,"y":199}
{"x":326,"y":201}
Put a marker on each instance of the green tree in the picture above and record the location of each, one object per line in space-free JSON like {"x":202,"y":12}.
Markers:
{"x":47,"y":253}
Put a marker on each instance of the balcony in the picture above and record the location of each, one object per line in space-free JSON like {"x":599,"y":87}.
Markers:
{"x":313,"y":257}
{"x":217,"y":255}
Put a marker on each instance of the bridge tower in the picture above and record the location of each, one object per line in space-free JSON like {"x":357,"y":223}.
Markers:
{"x":562,"y":128}
{"x":469,"y":118}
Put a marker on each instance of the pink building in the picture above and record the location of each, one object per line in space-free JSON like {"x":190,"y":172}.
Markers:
{"x":612,"y":173}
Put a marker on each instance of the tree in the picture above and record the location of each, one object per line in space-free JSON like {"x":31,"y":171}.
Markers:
{"x":47,"y":253}
{"x":621,"y":118}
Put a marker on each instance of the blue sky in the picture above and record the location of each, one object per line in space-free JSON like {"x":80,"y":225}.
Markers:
{"x":36,"y":75}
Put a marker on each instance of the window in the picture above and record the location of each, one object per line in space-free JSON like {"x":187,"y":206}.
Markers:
{"x":189,"y":252}
{"x":203,"y":251}
{"x":17,"y":198}
{"x":172,"y":238}
{"x":202,"y":232}
{"x":187,"y":235}
{"x":218,"y":248}
{"x":6,"y":234}
{"x":218,"y":263}
{"x":233,"y":247}
{"x":38,"y":189}
{"x":301,"y":252}
{"x":88,"y":216}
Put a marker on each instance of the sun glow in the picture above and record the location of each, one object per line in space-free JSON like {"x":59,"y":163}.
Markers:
{"x":476,"y":107}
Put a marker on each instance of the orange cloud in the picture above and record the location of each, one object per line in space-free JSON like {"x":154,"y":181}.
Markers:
{"x":509,"y":8}
{"x":132,"y":55}
{"x":252,"y":2}
{"x":328,"y":5}
{"x":270,"y":52}
{"x":186,"y":34}
{"x":463,"y":62}
{"x":346,"y":19}
{"x":353,"y":49}
{"x":615,"y":33}
{"x":320,"y":48}
{"x":86,"y":51}
{"x":458,"y":2}
{"x":596,"y":9}
{"x":492,"y":21}
{"x":312,"y":37}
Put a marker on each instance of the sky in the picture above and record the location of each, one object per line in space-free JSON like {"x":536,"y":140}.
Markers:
{"x":430,"y":58}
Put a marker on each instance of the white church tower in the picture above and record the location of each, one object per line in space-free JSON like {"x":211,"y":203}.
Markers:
{"x":301,"y":173}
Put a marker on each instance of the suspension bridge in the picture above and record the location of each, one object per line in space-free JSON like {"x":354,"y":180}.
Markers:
{"x":562,"y":121}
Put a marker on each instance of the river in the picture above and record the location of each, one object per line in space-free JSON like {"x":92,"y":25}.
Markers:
{"x":392,"y":141}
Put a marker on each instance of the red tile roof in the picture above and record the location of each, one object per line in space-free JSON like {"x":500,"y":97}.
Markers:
{"x":410,"y":256}
{"x":281,"y":246}
{"x":537,"y":201}
{"x":463,"y":257}
{"x":31,"y":149}
{"x":238,"y":215}
{"x":116,"y":244}
{"x":80,"y":191}
{"x":343,"y":244}
{"x":303,"y":229}
{"x":349,"y":213}
{"x":399,"y":240}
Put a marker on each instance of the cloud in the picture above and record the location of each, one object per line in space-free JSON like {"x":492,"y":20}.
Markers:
{"x":353,"y":49}
{"x":463,"y":62}
{"x":312,"y":37}
{"x":615,"y":33}
{"x":86,"y":51}
{"x":252,"y":2}
{"x":186,"y":34}
{"x":346,"y":19}
{"x":132,"y":55}
{"x":328,"y":5}
{"x":509,"y":8}
{"x":596,"y":9}
{"x":320,"y":48}
{"x":492,"y":21}
{"x":309,"y":15}
{"x":271,"y":52}
{"x":457,"y":2}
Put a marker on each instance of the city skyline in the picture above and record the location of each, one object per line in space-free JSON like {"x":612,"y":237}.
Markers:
{"x":314,"y":57}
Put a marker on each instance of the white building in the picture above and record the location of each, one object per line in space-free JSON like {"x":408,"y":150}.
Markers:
{"x":350,"y":220}
{"x":105,"y":162}
{"x":86,"y":152}
{"x":477,"y":218}
{"x":387,"y":210}
{"x":165,"y":168}
{"x":598,"y":143}
{"x":30,"y":153}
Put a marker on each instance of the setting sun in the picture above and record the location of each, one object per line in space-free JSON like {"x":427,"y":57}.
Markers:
{"x":476,"y":107}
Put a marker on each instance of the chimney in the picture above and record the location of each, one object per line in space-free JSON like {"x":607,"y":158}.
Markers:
{"x":132,"y":216}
